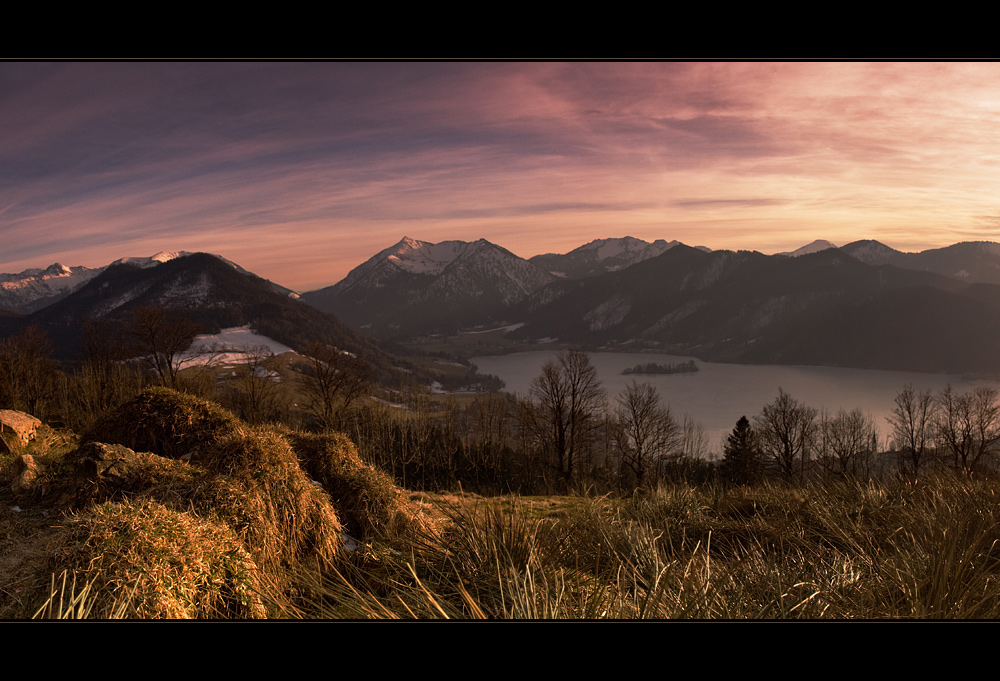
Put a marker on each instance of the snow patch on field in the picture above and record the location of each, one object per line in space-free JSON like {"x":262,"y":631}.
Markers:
{"x":230,"y":346}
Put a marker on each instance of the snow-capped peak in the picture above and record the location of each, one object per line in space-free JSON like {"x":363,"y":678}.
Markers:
{"x":602,"y":255}
{"x":152,"y":261}
{"x":423,"y":257}
{"x":27,"y":290}
{"x":870,"y":252}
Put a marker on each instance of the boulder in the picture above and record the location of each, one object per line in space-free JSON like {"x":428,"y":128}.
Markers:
{"x":16,"y":427}
{"x":25,"y":472}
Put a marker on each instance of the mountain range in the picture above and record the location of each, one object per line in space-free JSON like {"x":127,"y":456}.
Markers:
{"x":33,"y":289}
{"x":821,"y":308}
{"x":207,"y":289}
{"x":601,"y":256}
{"x":416,"y":287}
{"x":862,"y":305}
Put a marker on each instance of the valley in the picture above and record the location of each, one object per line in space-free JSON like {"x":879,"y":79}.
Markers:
{"x":478,"y":392}
{"x":863,"y":306}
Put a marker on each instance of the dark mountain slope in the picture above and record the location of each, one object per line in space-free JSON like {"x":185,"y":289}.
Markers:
{"x":204,"y":289}
{"x":417,"y":287}
{"x":968,"y":261}
{"x":819,"y":308}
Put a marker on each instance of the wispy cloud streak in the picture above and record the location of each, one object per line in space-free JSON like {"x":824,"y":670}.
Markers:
{"x":301,"y":171}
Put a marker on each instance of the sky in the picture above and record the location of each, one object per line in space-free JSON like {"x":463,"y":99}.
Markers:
{"x":301,"y":171}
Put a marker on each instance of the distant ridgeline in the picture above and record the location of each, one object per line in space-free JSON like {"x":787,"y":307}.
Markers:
{"x":653,"y":368}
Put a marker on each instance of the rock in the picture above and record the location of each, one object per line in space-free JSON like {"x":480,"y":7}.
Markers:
{"x":97,"y":461}
{"x":25,"y":474}
{"x":17,"y":426}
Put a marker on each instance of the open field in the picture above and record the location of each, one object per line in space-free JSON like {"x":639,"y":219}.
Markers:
{"x":840,"y":549}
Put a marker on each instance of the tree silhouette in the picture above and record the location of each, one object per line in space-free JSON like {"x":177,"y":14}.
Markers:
{"x":333,"y":381}
{"x":786,"y":430}
{"x":742,"y":461}
{"x":27,"y":371}
{"x":968,"y":425}
{"x":566,"y":398}
{"x":160,"y":337}
{"x":912,"y":423}
{"x":849,"y":440}
{"x":645,"y":430}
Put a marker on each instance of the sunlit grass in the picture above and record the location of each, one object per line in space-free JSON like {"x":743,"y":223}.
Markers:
{"x":840,"y":550}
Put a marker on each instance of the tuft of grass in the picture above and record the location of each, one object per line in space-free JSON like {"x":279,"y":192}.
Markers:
{"x":164,"y":422}
{"x":370,"y":502}
{"x":258,"y":489}
{"x":142,"y":559}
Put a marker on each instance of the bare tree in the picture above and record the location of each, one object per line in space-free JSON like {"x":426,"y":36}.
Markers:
{"x":488,"y":418}
{"x":105,"y":378}
{"x":567,"y":399}
{"x":694,"y":442}
{"x":912,"y":423}
{"x":968,"y":425}
{"x":786,"y":430}
{"x":335,"y":379}
{"x":161,"y":338}
{"x":848,"y":440}
{"x":646,"y":431}
{"x":255,"y":395}
{"x":27,"y":371}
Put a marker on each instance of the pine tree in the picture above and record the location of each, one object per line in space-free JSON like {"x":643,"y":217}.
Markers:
{"x":742,"y":461}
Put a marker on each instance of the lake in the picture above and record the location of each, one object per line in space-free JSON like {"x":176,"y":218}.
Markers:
{"x":718,"y":394}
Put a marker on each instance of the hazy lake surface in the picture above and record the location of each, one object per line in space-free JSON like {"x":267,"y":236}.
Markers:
{"x":718,"y":394}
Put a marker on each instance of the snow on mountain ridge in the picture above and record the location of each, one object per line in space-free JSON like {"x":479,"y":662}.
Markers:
{"x":158,"y":259}
{"x":26,"y":290}
{"x":421,"y":257}
{"x":602,"y":255}
{"x":990,"y":247}
{"x":35,"y":288}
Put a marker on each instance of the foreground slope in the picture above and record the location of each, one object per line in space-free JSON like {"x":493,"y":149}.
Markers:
{"x":165,"y":513}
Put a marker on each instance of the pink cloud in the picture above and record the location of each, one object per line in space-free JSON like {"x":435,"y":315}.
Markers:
{"x":300,"y":172}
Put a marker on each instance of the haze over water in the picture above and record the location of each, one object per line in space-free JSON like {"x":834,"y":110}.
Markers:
{"x":718,"y":394}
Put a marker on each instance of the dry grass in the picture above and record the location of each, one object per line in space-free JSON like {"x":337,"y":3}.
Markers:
{"x":142,"y":559}
{"x":247,"y":523}
{"x":164,"y":422}
{"x":838,"y":550}
{"x":258,"y":489}
{"x":225,"y":527}
{"x":373,"y":505}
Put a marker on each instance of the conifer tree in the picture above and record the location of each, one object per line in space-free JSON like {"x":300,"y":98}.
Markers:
{"x":742,"y":461}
